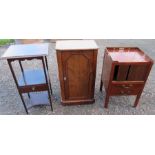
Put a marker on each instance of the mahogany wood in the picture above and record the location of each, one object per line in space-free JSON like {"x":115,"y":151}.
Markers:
{"x":77,"y":73}
{"x":33,"y":88}
{"x":16,"y":82}
{"x":30,"y":80}
{"x":125,"y":71}
{"x":24,"y":85}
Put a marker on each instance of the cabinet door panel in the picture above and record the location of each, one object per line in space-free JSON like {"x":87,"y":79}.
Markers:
{"x":77,"y":74}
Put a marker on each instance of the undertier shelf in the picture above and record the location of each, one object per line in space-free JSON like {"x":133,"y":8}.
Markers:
{"x":37,"y":99}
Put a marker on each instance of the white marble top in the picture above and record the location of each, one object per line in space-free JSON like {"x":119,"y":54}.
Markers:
{"x":26,"y":50}
{"x":76,"y":45}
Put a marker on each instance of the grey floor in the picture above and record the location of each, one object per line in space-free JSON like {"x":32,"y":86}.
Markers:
{"x":10,"y":102}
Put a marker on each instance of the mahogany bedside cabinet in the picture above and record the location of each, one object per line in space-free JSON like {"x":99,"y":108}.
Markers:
{"x":77,"y":70}
{"x":33,"y":82}
{"x":125,"y":71}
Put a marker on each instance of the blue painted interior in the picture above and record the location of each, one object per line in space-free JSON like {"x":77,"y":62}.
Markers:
{"x":32,"y":77}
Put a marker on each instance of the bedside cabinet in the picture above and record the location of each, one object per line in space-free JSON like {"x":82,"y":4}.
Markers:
{"x":77,"y":70}
{"x":125,"y":71}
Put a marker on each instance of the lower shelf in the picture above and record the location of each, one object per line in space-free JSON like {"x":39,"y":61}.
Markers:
{"x":37,"y":99}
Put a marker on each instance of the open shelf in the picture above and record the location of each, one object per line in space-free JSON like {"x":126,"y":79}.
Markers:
{"x":37,"y":99}
{"x":32,"y":77}
{"x":130,"y":72}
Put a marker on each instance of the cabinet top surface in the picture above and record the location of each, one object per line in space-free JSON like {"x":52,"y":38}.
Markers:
{"x":26,"y":50}
{"x":128,"y":55}
{"x":76,"y":45}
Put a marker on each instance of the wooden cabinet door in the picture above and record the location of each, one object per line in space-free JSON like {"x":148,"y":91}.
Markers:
{"x":78,"y":74}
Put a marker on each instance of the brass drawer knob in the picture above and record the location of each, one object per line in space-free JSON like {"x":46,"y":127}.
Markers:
{"x":33,"y":88}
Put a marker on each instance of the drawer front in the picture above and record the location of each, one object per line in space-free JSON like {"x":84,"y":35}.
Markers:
{"x":126,"y":89}
{"x":33,"y":88}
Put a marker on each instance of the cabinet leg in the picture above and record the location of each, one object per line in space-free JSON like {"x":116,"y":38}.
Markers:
{"x":106,"y":101}
{"x":137,"y":99}
{"x":51,"y":88}
{"x":50,"y":100}
{"x":28,"y":95}
{"x":23,"y":102}
{"x":48,"y":75}
{"x":45,"y":67}
{"x":15,"y":79}
{"x":101,"y":85}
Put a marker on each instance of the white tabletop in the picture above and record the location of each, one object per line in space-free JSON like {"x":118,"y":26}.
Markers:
{"x":76,"y":45}
{"x":26,"y":50}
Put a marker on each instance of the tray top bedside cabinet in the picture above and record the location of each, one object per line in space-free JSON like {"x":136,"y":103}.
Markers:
{"x":125,"y":71}
{"x":33,"y":82}
{"x":77,"y":70}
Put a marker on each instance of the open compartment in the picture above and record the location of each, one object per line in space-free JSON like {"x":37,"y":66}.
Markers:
{"x":131,"y":72}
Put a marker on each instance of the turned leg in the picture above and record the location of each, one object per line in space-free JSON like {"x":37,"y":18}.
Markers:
{"x":137,"y":99}
{"x":101,"y":85}
{"x":106,"y":101}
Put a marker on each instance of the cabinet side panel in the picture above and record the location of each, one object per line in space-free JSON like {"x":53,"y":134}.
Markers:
{"x":94,"y":73}
{"x":106,"y":70}
{"x":60,"y":72}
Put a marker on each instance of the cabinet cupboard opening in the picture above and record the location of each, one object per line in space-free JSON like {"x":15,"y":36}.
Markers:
{"x":129,"y":72}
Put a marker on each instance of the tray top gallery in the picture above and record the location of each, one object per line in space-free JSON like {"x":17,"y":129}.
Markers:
{"x":127,"y":54}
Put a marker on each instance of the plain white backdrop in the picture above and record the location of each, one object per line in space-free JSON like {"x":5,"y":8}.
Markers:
{"x":92,"y":135}
{"x":77,"y":19}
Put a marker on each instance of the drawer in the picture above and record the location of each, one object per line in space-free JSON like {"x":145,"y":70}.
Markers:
{"x":33,"y":88}
{"x":126,"y":89}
